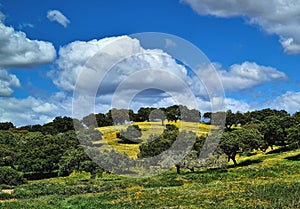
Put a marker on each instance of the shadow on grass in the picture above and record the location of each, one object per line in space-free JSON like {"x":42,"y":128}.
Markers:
{"x":279,"y":150}
{"x":294,"y":158}
{"x":246,"y":163}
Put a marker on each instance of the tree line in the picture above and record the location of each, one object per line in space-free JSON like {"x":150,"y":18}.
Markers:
{"x":56,"y":148}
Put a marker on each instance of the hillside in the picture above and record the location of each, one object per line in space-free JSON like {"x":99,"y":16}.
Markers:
{"x":262,"y":180}
{"x":148,"y":128}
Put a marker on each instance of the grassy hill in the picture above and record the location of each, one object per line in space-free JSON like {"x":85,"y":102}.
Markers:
{"x":263,"y":180}
{"x":148,"y":128}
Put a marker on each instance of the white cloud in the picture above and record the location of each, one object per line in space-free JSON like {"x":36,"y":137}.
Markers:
{"x":25,"y":25}
{"x":2,"y":17}
{"x":73,"y":58}
{"x":236,"y":105}
{"x":6,"y":82}
{"x":281,"y":17}
{"x":16,"y":50}
{"x":31,"y":110}
{"x":147,"y":69}
{"x":57,"y":16}
{"x":243,"y":76}
{"x":87,"y":66}
{"x":170,"y":43}
{"x":289,"y":101}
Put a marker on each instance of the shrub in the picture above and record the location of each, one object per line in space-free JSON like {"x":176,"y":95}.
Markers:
{"x":11,"y":177}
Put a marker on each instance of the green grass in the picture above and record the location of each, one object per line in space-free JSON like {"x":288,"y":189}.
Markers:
{"x":260,"y":181}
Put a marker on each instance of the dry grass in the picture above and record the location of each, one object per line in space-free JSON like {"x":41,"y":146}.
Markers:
{"x":110,"y":140}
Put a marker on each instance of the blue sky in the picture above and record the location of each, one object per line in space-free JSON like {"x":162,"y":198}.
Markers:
{"x":254,"y":48}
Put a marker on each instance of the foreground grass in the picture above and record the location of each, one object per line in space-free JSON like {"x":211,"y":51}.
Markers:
{"x":261,"y":181}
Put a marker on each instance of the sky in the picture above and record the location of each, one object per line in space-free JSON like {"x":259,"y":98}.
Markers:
{"x":49,"y":52}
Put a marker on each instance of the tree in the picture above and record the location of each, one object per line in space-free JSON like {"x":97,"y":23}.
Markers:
{"x":293,"y":136}
{"x":9,"y":176}
{"x":241,"y":140}
{"x":207,"y":116}
{"x":158,"y":114}
{"x":296,"y":115}
{"x":7,"y":155}
{"x":273,"y":131}
{"x":218,"y":118}
{"x":77,"y":160}
{"x":63,"y":124}
{"x":173,"y":113}
{"x":103,"y":120}
{"x":188,"y":115}
{"x":90,"y":121}
{"x":119,"y":116}
{"x":230,"y":145}
{"x":41,"y":154}
{"x":131,"y":135}
{"x":144,"y":113}
{"x":7,"y":138}
{"x":88,"y":136}
{"x":70,"y":161}
{"x":158,"y":144}
{"x":6,"y":125}
{"x":230,"y":120}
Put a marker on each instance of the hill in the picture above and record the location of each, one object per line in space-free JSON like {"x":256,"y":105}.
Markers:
{"x":148,"y":128}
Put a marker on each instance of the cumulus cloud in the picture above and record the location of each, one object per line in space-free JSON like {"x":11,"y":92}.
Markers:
{"x":73,"y":60}
{"x":7,"y":81}
{"x":289,"y":101}
{"x":32,"y":110}
{"x":248,"y":75}
{"x":16,"y":50}
{"x":281,"y":17}
{"x":57,"y":16}
{"x":122,"y":70}
{"x":243,"y":76}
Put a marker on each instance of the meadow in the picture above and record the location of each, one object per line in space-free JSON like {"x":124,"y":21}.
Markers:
{"x":148,"y":128}
{"x":261,"y":180}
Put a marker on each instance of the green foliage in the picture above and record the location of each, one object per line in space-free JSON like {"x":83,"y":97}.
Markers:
{"x":173,"y":113}
{"x":97,"y":120}
{"x":88,"y":136}
{"x":11,"y":177}
{"x":143,"y":114}
{"x":62,"y":124}
{"x":158,"y":114}
{"x":41,"y":154}
{"x":6,"y":125}
{"x":293,"y":137}
{"x":77,"y":160}
{"x":273,"y":131}
{"x":7,"y":138}
{"x":241,"y":140}
{"x":260,"y":181}
{"x":188,"y":115}
{"x":120,"y":116}
{"x":131,"y":135}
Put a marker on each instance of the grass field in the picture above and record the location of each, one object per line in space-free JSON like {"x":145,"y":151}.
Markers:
{"x":262,"y":180}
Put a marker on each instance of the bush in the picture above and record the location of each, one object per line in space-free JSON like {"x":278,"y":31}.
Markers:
{"x":11,"y":177}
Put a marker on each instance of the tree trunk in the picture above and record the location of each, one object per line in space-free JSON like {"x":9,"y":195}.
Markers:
{"x":178,"y":169}
{"x":234,"y":161}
